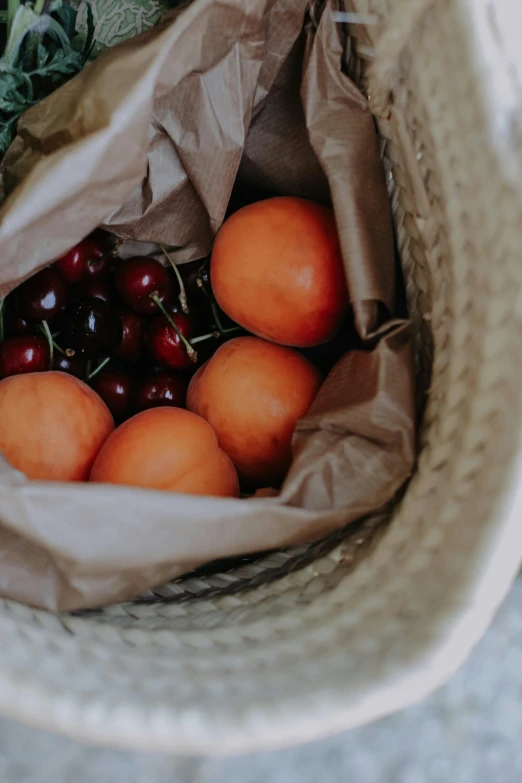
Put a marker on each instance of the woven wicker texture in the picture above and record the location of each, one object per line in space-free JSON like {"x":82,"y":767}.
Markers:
{"x":289,"y":646}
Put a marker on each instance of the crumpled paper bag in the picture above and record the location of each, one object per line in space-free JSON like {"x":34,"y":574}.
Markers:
{"x":226,"y":99}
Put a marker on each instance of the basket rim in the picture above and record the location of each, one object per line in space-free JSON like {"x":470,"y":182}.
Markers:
{"x":455,"y":625}
{"x":162,"y":731}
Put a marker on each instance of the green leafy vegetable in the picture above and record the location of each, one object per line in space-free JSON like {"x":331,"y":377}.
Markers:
{"x":42,"y":52}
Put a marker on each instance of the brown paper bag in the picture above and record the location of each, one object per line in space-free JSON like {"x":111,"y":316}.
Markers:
{"x":149,"y":140}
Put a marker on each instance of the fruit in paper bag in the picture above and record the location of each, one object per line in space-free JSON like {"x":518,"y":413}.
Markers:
{"x":23,"y":354}
{"x":42,"y":296}
{"x":252,"y":393}
{"x":160,"y":389}
{"x":142,"y":280}
{"x":91,"y":327}
{"x":88,"y":260}
{"x":75,"y":364}
{"x":277,"y":270}
{"x":165,"y":343}
{"x":130,"y":348}
{"x":52,"y":425}
{"x":115,"y":388}
{"x":169,"y":449}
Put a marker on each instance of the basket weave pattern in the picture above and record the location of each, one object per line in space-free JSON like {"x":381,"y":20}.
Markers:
{"x":291,"y":645}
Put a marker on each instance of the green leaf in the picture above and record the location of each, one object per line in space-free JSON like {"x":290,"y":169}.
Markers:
{"x":38,"y":6}
{"x":15,"y":89}
{"x":89,"y":38}
{"x":66,"y":16}
{"x":42,"y":56}
{"x":12,"y":8}
{"x":9,"y":82}
{"x":55,"y":31}
{"x":23,"y":22}
{"x":43,"y":59}
{"x":7,"y":134}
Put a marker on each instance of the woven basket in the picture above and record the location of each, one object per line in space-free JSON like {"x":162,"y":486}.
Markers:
{"x":293,"y":645}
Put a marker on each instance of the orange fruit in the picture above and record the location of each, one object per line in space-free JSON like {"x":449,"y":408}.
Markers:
{"x":52,"y":425}
{"x":170,"y":449}
{"x":277,"y":270}
{"x":252,"y":393}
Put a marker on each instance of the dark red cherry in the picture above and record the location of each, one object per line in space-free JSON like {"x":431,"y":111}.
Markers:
{"x":74,"y":365}
{"x":161,"y":388}
{"x":140,"y":277}
{"x":164,"y":345}
{"x":98,"y":287}
{"x":91,"y":327}
{"x":14,"y":324}
{"x":88,"y":259}
{"x":131,"y":346}
{"x":20,"y":355}
{"x":115,"y":388}
{"x":43,"y":296}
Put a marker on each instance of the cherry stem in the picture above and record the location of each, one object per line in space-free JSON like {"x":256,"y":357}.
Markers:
{"x":182,"y":293}
{"x":190,"y":350}
{"x":215,"y":335}
{"x":231,"y":329}
{"x":199,"y":278}
{"x":47,"y":332}
{"x":203,"y":337}
{"x":2,"y":302}
{"x":98,"y":368}
{"x":215,"y":311}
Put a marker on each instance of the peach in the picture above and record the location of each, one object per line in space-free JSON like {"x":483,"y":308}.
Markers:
{"x":277,"y":270}
{"x":252,"y":393}
{"x":169,"y":449}
{"x":52,"y":425}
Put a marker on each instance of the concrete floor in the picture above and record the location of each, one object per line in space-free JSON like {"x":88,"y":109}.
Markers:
{"x":468,"y":732}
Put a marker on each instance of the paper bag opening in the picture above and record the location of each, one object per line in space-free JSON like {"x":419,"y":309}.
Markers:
{"x":222,"y":104}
